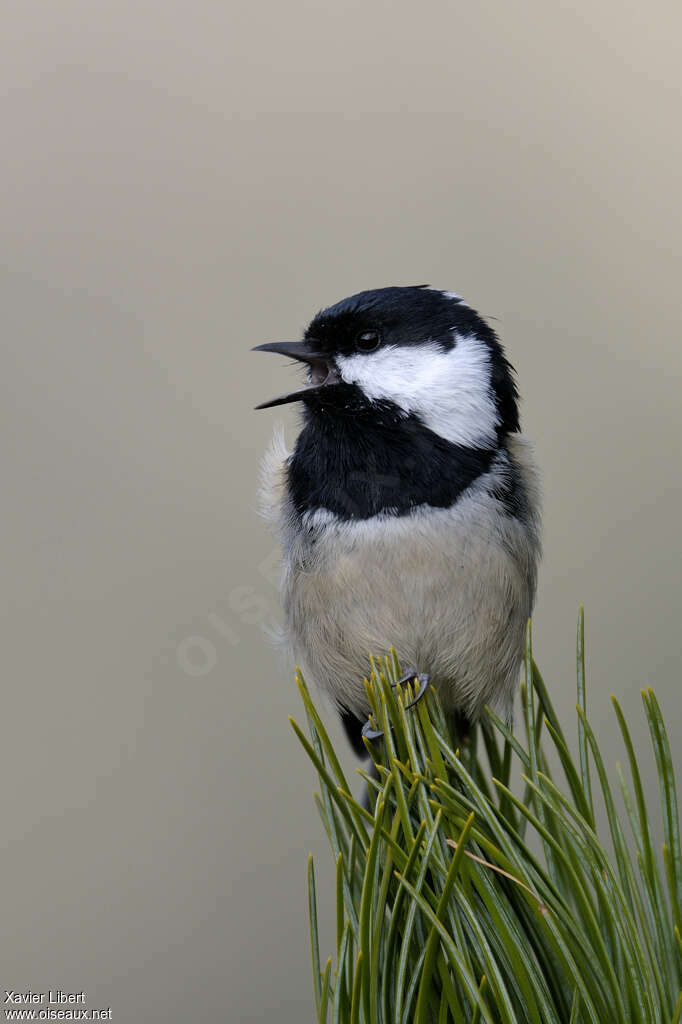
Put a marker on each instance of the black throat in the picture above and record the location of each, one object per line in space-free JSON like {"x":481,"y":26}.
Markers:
{"x":375,"y":460}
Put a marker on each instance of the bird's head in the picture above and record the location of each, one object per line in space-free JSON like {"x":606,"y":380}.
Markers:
{"x":407,"y":352}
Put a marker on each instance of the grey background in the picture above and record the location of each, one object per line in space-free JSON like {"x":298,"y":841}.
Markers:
{"x":180,"y":182}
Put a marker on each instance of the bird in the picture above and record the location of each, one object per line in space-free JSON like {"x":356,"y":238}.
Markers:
{"x":408,"y":509}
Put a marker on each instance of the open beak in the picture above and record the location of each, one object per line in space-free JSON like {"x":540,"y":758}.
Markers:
{"x":323,"y":373}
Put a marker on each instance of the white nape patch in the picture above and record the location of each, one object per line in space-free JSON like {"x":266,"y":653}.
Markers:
{"x":450,"y":392}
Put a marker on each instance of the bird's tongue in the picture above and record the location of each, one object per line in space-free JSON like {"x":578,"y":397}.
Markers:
{"x":323,"y":373}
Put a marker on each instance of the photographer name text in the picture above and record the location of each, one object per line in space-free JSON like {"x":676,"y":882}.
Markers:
{"x":51,"y":997}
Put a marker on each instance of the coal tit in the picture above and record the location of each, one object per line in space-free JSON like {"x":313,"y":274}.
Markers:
{"x":408,"y":511}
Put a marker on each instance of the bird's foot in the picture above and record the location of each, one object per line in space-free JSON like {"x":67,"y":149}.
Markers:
{"x":411,"y":676}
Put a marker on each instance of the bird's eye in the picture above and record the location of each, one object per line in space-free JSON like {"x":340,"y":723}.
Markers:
{"x":367,"y":341}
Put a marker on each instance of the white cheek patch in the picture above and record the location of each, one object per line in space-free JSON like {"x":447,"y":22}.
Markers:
{"x":450,"y":392}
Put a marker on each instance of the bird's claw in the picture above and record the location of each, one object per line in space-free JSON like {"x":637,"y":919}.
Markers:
{"x":368,"y":730}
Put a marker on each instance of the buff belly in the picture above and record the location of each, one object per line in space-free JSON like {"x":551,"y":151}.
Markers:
{"x":450,"y":589}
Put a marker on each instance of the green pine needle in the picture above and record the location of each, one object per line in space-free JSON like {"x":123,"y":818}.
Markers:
{"x":457,"y":900}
